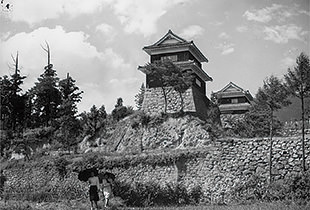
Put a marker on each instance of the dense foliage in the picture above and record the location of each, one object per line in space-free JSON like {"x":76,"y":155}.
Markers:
{"x":152,"y":194}
{"x":139,"y":97}
{"x":120,"y":111}
{"x":298,"y":84}
{"x":295,"y":188}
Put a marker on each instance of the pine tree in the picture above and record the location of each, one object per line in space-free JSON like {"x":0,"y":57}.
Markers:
{"x":298,"y":84}
{"x":94,"y":120}
{"x":4,"y":111}
{"x":273,"y":96}
{"x":140,"y":97}
{"x":45,"y":95}
{"x":17,"y":99}
{"x":120,"y":111}
{"x":69,"y":125}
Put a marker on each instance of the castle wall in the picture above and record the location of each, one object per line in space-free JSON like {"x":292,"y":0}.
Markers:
{"x":193,"y":102}
{"x":225,"y":163}
{"x":154,"y":101}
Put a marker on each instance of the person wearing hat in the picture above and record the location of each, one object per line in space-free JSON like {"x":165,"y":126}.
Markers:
{"x":93,"y":190}
{"x":2,"y":182}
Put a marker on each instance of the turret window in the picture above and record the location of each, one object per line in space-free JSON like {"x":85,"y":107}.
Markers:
{"x":172,"y":58}
{"x":198,"y":82}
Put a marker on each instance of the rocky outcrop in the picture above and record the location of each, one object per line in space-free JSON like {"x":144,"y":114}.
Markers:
{"x":184,"y":132}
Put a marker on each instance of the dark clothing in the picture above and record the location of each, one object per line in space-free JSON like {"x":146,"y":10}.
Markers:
{"x":2,"y":181}
{"x":93,"y":193}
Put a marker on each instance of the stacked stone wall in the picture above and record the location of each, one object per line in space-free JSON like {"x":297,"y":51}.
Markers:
{"x":194,"y":102}
{"x":154,"y":101}
{"x":226,"y":163}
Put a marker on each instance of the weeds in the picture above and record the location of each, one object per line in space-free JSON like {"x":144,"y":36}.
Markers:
{"x":152,"y":194}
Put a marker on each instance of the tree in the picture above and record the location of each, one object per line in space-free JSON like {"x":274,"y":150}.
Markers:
{"x":273,"y":96}
{"x":178,"y":79}
{"x":120,"y":111}
{"x":156,"y":71}
{"x":69,"y":125}
{"x":140,"y":97}
{"x":70,"y":96}
{"x":167,"y":74}
{"x":257,"y":121}
{"x":46,"y":95}
{"x":4,"y":111}
{"x":298,"y":84}
{"x":94,"y":120}
{"x":17,"y":100}
{"x":12,"y":105}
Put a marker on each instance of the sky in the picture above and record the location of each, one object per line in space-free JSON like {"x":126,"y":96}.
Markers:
{"x":99,"y":42}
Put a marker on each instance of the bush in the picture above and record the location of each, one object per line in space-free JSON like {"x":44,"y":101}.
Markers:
{"x":196,"y":194}
{"x":16,"y":205}
{"x":61,"y":166}
{"x":299,"y":186}
{"x":152,"y":194}
{"x":295,"y":188}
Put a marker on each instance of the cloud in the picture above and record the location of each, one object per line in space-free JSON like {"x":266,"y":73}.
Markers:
{"x":71,"y":52}
{"x":33,"y":11}
{"x":140,"y":16}
{"x":228,"y":51}
{"x":263,"y":15}
{"x":282,"y":34}
{"x":216,"y":23}
{"x":192,"y":31}
{"x":226,"y":48}
{"x":29,"y":46}
{"x":224,"y":35}
{"x":242,"y":29}
{"x":287,"y":62}
{"x":137,"y":16}
{"x":107,"y":30}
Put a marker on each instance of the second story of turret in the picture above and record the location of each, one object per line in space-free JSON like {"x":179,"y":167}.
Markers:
{"x":181,"y":52}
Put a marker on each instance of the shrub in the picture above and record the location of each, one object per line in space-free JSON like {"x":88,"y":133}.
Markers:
{"x":16,"y":205}
{"x":152,"y":194}
{"x":295,"y":188}
{"x":299,"y":186}
{"x":61,"y":166}
{"x":196,"y":194}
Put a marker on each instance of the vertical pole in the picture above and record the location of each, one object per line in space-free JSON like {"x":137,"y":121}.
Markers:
{"x":303,"y":134}
{"x":271,"y":145}
{"x":1,"y":131}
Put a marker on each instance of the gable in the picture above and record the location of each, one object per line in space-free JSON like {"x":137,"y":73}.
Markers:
{"x":231,"y":87}
{"x":170,"y":38}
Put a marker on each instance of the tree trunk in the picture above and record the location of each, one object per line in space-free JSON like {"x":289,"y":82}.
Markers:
{"x":182,"y":102}
{"x":303,"y":133}
{"x":271,"y":145}
{"x":165,"y":97}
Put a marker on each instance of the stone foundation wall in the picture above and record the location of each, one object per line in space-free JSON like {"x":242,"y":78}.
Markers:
{"x":225,"y":163}
{"x":154,"y":101}
{"x":226,"y":119}
{"x":193,"y":102}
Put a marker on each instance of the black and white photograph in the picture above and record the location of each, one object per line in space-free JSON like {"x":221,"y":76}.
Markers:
{"x":154,"y":104}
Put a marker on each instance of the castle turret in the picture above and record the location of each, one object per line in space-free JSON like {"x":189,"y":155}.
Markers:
{"x":187,"y":56}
